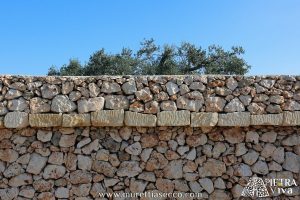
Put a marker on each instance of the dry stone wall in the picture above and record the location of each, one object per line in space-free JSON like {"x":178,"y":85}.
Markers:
{"x":79,"y":137}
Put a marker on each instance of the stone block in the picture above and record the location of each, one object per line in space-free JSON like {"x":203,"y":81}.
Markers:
{"x":234,"y":119}
{"x":138,"y":119}
{"x":291,"y":118}
{"x":174,"y":118}
{"x":204,"y":119}
{"x":107,"y":118}
{"x":76,"y":120}
{"x":268,"y":119}
{"x":45,"y":120}
{"x":16,"y":120}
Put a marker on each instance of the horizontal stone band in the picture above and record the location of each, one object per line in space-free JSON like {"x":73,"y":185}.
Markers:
{"x":104,"y":118}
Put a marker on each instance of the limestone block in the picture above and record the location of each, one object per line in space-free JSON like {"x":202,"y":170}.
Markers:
{"x":234,"y":119}
{"x":16,"y":120}
{"x":45,"y":120}
{"x":76,"y":120}
{"x":107,"y":118}
{"x":173,"y":118}
{"x":204,"y":119}
{"x":138,"y":119}
{"x":291,"y":118}
{"x":268,"y":119}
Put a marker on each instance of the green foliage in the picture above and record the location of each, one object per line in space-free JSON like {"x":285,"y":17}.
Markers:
{"x":152,"y":59}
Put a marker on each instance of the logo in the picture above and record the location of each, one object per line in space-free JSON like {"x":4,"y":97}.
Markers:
{"x":257,"y":187}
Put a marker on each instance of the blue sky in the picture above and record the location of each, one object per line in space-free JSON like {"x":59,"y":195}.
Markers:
{"x":36,"y":34}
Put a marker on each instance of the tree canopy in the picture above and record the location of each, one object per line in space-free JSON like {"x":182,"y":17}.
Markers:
{"x":153,"y":59}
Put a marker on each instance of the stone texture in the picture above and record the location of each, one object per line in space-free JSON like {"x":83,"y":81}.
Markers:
{"x":49,"y":91}
{"x":62,"y":104}
{"x":173,"y":170}
{"x":291,"y":118}
{"x":191,"y":105}
{"x":291,"y":162}
{"x":213,"y":168}
{"x":203,"y":119}
{"x":110,"y":87}
{"x":107,"y":118}
{"x":235,"y":105}
{"x":116,"y":102}
{"x":214,"y":104}
{"x":45,"y":120}
{"x":36,"y":164}
{"x":129,"y":87}
{"x":173,"y":118}
{"x":76,"y":120}
{"x":172,"y":88}
{"x":90,"y":105}
{"x":234,"y":135}
{"x":54,"y":172}
{"x":129,"y":169}
{"x":268,"y":119}
{"x":234,"y":119}
{"x":17,"y":104}
{"x":8,"y":155}
{"x":16,"y":120}
{"x":138,"y":119}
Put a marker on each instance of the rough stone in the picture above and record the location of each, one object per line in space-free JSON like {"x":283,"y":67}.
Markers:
{"x":134,"y":149}
{"x":172,"y":88}
{"x":54,"y":172}
{"x":104,"y":167}
{"x":234,"y":135}
{"x":191,"y":105}
{"x":80,"y":177}
{"x":252,"y":136}
{"x":16,"y":120}
{"x":278,"y":155}
{"x":231,"y":83}
{"x":251,"y":157}
{"x":116,"y":102}
{"x":17,"y":104}
{"x":168,"y":105}
{"x":67,"y":140}
{"x":203,"y":119}
{"x":62,"y":192}
{"x":291,"y":162}
{"x":234,"y":119}
{"x":260,"y":167}
{"x":214,"y":104}
{"x":242,"y":170}
{"x":173,"y":170}
{"x":36,"y":164}
{"x":268,"y":137}
{"x":173,"y":118}
{"x":129,"y":169}
{"x":91,"y":104}
{"x":20,"y":180}
{"x":129,"y":87}
{"x":207,"y":185}
{"x":76,"y":120}
{"x":44,"y":136}
{"x":234,"y":105}
{"x":212,"y":167}
{"x":196,"y":140}
{"x":49,"y":91}
{"x":107,"y":118}
{"x":110,"y":87}
{"x":62,"y":103}
{"x":138,"y":119}
{"x":8,"y":155}
{"x":45,"y":120}
{"x":144,"y":95}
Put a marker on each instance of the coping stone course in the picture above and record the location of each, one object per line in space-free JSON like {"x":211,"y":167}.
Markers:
{"x":45,"y":120}
{"x":138,"y":119}
{"x":107,"y":118}
{"x":204,"y":119}
{"x":234,"y":119}
{"x":291,"y":118}
{"x":16,"y":120}
{"x":174,"y":118}
{"x":268,"y":119}
{"x":76,"y":120}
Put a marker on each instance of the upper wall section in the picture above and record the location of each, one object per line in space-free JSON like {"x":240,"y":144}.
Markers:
{"x":149,"y":101}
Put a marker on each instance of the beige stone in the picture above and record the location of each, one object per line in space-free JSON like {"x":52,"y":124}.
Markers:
{"x":268,"y":119}
{"x":16,"y":120}
{"x":291,"y":118}
{"x":75,"y":120}
{"x":45,"y":120}
{"x":138,"y":119}
{"x":234,"y":119}
{"x":108,"y":118}
{"x":204,"y":119}
{"x":173,"y":118}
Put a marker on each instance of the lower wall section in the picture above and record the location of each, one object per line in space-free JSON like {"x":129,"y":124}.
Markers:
{"x":84,"y":163}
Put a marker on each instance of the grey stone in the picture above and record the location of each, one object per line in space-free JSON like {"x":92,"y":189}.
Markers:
{"x":207,"y":185}
{"x":268,"y":119}
{"x":17,"y":104}
{"x":172,"y":88}
{"x":267,"y":83}
{"x":39,"y":105}
{"x":91,"y":104}
{"x":214,"y":104}
{"x":61,"y":104}
{"x":173,"y":170}
{"x":260,"y":167}
{"x":36,"y":164}
{"x":138,"y":119}
{"x":197,"y":86}
{"x":235,"y":105}
{"x":231,"y":83}
{"x":291,"y":140}
{"x":16,"y":120}
{"x":191,"y":105}
{"x":173,"y":118}
{"x":116,"y":102}
{"x":129,"y":87}
{"x":278,"y":155}
{"x":49,"y":91}
{"x":168,"y":105}
{"x":134,"y":149}
{"x":252,"y":136}
{"x":251,"y":157}
{"x":269,"y":137}
{"x":144,"y":95}
{"x":291,"y":162}
{"x":110,"y":87}
{"x":129,"y":169}
{"x":234,"y":119}
{"x":291,"y":118}
{"x":242,"y":170}
{"x":204,"y":119}
{"x":212,"y":167}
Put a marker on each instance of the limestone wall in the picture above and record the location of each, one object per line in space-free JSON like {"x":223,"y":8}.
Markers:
{"x":77,"y":137}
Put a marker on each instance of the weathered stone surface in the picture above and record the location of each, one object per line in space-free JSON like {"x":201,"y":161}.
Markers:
{"x":235,"y":105}
{"x":2,"y":123}
{"x":80,"y":177}
{"x":234,"y":119}
{"x":3,"y":109}
{"x":231,"y":83}
{"x":173,"y":170}
{"x":269,"y":137}
{"x":129,"y":169}
{"x":62,"y":104}
{"x":54,"y":172}
{"x":44,"y":136}
{"x":91,"y":104}
{"x":260,"y":167}
{"x":36,"y":164}
{"x":242,"y":170}
{"x":67,"y":140}
{"x":212,"y":168}
{"x":191,"y":105}
{"x":8,"y":155}
{"x":45,"y":120}
{"x":116,"y":102}
{"x":291,"y":140}
{"x":268,"y":119}
{"x":110,"y":87}
{"x":62,"y":193}
{"x":134,"y":149}
{"x":204,"y":119}
{"x":267,"y":83}
{"x":234,"y":135}
{"x":168,"y":106}
{"x":107,"y":118}
{"x":250,"y":157}
{"x":172,"y":88}
{"x":104,"y":168}
{"x":173,"y":118}
{"x":76,"y":120}
{"x":129,"y":87}
{"x":49,"y":91}
{"x":291,"y":118}
{"x":16,"y":120}
{"x":19,"y":104}
{"x":20,"y":180}
{"x":196,"y":140}
{"x":291,"y":162}
{"x":214,"y":104}
{"x":138,"y":119}
{"x":144,"y":95}
{"x":207,"y":185}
